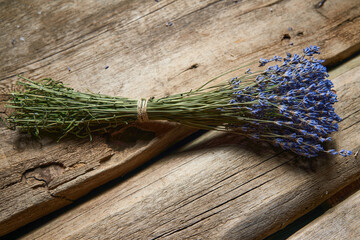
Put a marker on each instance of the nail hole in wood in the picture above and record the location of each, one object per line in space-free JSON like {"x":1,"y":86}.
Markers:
{"x":286,"y":37}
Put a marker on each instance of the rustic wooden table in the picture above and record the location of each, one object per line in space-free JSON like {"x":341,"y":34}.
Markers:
{"x":209,"y":185}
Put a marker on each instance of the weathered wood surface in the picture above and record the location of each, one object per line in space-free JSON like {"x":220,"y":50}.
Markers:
{"x":53,"y":176}
{"x":220,"y":186}
{"x":145,"y":58}
{"x":340,"y":222}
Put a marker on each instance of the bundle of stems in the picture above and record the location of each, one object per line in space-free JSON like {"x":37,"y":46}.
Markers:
{"x":50,"y":106}
{"x":288,"y":105}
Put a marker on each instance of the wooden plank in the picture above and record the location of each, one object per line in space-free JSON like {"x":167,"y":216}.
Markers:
{"x":145,"y":58}
{"x":340,"y":222}
{"x":54,"y":176}
{"x":221,"y":186}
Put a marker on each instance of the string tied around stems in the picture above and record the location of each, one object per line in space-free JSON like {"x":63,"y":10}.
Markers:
{"x":142,"y":115}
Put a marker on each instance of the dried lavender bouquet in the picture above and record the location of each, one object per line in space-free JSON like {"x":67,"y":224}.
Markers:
{"x":288,"y":105}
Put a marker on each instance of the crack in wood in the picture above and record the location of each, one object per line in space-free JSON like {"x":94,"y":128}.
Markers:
{"x":46,"y":186}
{"x":321,"y":14}
{"x":187,"y":226}
{"x":351,"y":114}
{"x":275,"y":3}
{"x":346,"y":21}
{"x":99,"y":29}
{"x":108,"y":29}
{"x":82,"y":42}
{"x":44,"y":173}
{"x":351,"y":125}
{"x":9,"y":185}
{"x":198,"y":10}
{"x":194,"y":66}
{"x":166,"y":234}
{"x":44,"y":182}
{"x":106,"y":158}
{"x":258,"y":176}
{"x":228,"y":177}
{"x":169,"y":233}
{"x":61,"y":197}
{"x":159,"y":179}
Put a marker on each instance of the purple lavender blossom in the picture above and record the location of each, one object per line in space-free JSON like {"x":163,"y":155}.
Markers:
{"x":293,"y":102}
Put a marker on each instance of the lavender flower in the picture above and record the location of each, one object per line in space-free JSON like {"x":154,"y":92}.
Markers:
{"x":293,"y":103}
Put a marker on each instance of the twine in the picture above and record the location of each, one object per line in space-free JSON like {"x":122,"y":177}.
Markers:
{"x":142,"y":115}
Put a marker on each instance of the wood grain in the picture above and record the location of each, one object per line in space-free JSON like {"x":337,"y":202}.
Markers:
{"x":221,"y":186}
{"x":146,"y":57}
{"x":340,"y":222}
{"x":40,"y":176}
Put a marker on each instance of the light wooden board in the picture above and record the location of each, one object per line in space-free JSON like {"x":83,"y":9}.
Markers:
{"x":145,"y":58}
{"x":221,"y":186}
{"x":340,"y":222}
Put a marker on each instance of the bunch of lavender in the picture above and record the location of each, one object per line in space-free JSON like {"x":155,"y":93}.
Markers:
{"x":288,"y":105}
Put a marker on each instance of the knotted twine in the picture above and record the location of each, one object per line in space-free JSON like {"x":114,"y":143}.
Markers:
{"x":142,"y":115}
